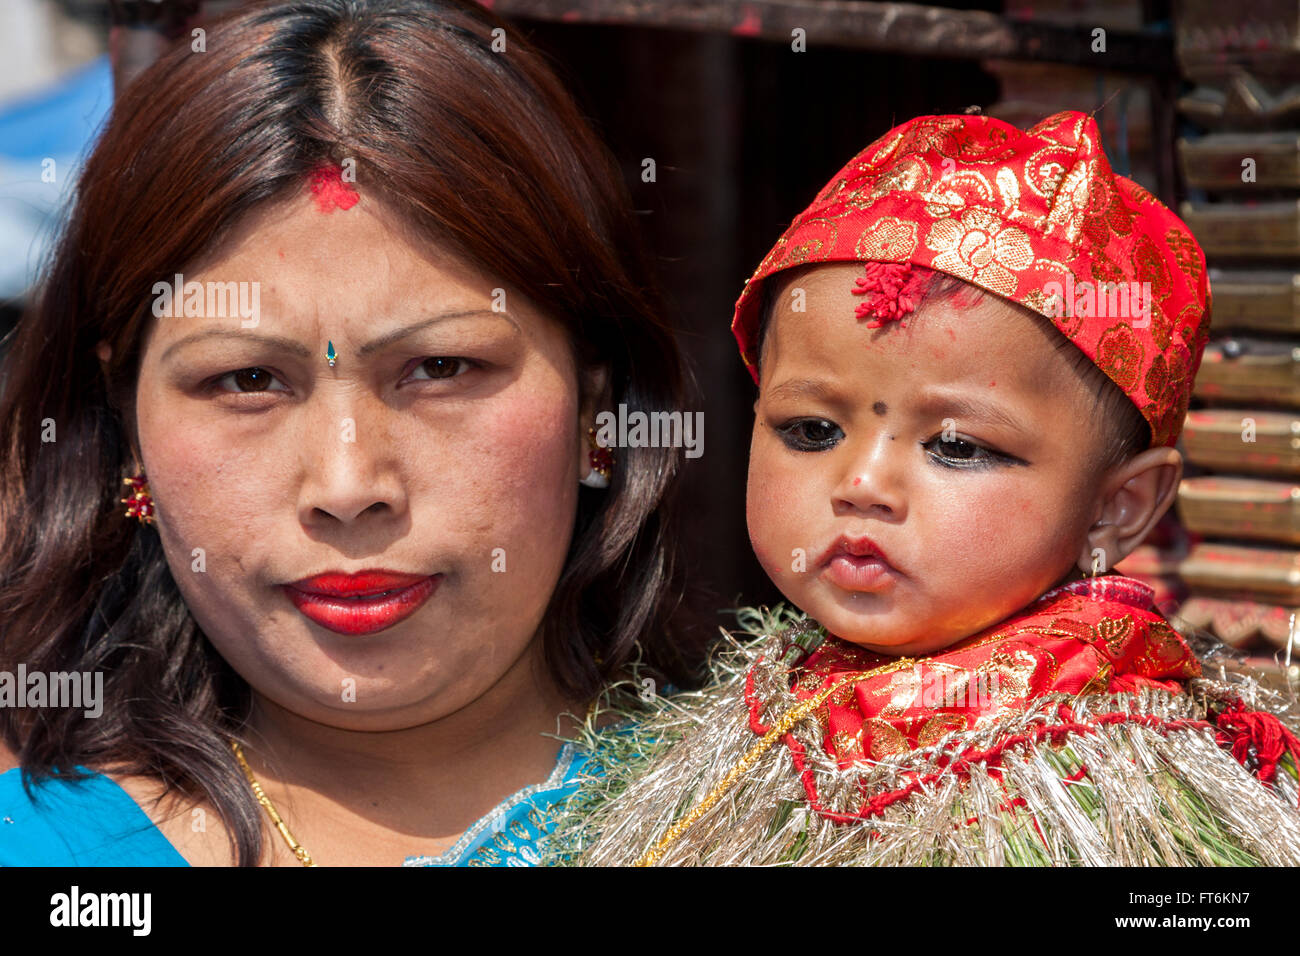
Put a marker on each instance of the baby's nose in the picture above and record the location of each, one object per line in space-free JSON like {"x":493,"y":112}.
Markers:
{"x":874,"y":477}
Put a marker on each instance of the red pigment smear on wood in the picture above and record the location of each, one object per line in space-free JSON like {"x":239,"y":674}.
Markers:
{"x":749,"y":26}
{"x":330,"y":190}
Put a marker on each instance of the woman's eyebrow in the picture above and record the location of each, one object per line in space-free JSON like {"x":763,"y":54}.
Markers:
{"x":294,"y":347}
{"x":388,"y":338}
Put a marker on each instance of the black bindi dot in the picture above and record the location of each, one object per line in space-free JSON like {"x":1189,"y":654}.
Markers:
{"x":880,"y":408}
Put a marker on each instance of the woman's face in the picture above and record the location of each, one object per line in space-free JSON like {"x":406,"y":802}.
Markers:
{"x":444,"y":444}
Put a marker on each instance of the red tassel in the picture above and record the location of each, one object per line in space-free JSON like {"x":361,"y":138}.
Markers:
{"x":1258,"y":740}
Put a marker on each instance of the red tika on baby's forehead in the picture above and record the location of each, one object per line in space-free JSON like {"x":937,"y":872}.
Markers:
{"x":890,"y":291}
{"x":330,"y":189}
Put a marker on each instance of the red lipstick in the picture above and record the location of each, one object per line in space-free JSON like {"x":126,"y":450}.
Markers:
{"x":857,"y":564}
{"x":361,"y":603}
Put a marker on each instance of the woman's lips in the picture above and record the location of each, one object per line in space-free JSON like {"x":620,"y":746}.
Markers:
{"x":360,"y":604}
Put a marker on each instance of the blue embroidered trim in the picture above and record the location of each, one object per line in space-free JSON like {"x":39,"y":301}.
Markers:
{"x":493,"y":817}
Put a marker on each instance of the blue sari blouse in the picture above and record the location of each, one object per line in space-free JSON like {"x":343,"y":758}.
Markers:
{"x":94,"y":822}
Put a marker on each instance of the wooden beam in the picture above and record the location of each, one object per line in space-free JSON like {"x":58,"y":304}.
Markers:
{"x":906,"y":28}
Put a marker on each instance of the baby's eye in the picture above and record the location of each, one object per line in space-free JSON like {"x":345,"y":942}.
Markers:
{"x":810,"y":434}
{"x":246,"y":380}
{"x":959,"y":453}
{"x":443,"y":366}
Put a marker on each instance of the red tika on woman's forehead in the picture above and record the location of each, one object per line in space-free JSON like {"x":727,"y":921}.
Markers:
{"x":1037,"y":217}
{"x":330,"y":189}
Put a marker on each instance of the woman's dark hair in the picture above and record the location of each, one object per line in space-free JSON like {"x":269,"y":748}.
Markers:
{"x":1125,"y":432}
{"x":480,"y":151}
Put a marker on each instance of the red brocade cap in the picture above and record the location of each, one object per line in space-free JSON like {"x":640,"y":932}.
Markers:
{"x":1036,"y":217}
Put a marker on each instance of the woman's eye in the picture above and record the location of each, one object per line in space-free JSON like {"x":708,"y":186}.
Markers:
{"x":442,"y":366}
{"x":249,"y":380}
{"x":810,"y":434}
{"x":959,"y":453}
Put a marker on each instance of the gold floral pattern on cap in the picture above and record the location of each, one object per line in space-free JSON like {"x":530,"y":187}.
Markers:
{"x":1037,"y":217}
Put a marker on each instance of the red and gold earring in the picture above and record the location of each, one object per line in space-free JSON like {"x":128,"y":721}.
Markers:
{"x":601,"y":460}
{"x":140,"y":504}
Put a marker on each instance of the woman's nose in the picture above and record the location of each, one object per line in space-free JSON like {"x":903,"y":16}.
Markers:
{"x":350,"y":465}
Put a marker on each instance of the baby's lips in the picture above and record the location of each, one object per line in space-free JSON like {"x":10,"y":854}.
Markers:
{"x":858,"y":546}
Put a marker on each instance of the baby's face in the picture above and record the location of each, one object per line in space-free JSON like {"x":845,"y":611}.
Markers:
{"x":962,"y":446}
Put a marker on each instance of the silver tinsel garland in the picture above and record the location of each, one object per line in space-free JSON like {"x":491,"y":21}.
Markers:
{"x":1150,"y":795}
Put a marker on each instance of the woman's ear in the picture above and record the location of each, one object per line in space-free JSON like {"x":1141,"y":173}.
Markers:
{"x":104,"y":352}
{"x":1133,"y":497}
{"x":595,"y":391}
{"x":595,"y":396}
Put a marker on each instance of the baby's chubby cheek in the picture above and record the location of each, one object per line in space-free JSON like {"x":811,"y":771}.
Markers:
{"x":984,"y":537}
{"x":1015,"y":547}
{"x":777,"y":526}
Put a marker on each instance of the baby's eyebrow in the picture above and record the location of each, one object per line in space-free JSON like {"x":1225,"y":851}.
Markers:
{"x":970,"y":407}
{"x":926,"y":403}
{"x":803,"y":388}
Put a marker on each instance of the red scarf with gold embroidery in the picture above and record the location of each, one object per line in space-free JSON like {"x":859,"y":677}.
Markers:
{"x":1086,"y":637}
{"x":1099,"y":636}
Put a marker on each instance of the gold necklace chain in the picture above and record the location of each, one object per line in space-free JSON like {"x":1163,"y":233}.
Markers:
{"x":298,"y":849}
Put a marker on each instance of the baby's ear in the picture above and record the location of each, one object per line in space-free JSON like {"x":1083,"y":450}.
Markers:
{"x":1133,"y":496}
